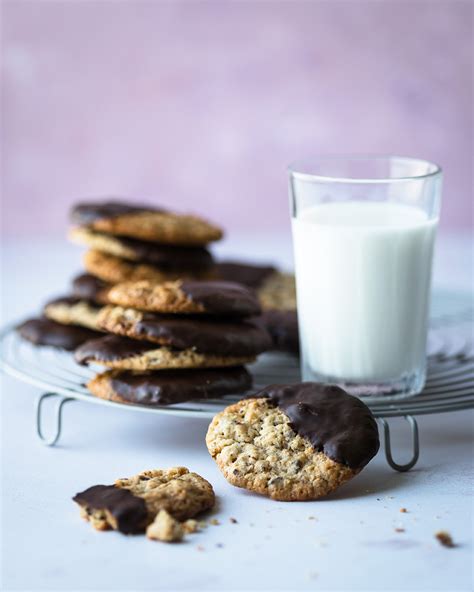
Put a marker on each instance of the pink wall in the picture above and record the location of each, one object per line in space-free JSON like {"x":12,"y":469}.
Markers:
{"x":202,"y":104}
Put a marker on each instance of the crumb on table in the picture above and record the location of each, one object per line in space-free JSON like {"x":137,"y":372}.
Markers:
{"x":445,"y":539}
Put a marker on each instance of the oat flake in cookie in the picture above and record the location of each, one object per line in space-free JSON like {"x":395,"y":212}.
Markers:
{"x":293,"y":442}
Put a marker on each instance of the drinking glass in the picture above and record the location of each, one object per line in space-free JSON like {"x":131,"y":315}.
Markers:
{"x":363,"y":236}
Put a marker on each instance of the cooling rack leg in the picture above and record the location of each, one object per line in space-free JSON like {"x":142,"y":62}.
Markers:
{"x":58,"y":410}
{"x":388,"y":448}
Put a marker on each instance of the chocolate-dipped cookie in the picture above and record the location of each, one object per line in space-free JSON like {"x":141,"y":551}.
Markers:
{"x":132,"y":503}
{"x":275,"y":289}
{"x":42,"y":331}
{"x":219,"y":337}
{"x":113,"y":270}
{"x":283,"y":328}
{"x":187,"y":297}
{"x":89,"y":287}
{"x":169,"y":387}
{"x":163,"y":256}
{"x":293,"y":442}
{"x":70,"y":310}
{"x":113,"y":351}
{"x":278,"y":292}
{"x":250,"y":275}
{"x":144,"y":222}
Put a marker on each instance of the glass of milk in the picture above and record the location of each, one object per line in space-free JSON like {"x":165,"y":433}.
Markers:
{"x":363,"y":237}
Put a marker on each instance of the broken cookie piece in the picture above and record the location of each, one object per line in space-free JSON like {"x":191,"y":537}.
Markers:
{"x":165,"y":528}
{"x":106,"y":506}
{"x":132,"y":504}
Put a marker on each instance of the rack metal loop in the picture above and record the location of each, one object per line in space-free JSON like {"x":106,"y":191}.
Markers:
{"x":388,"y":447}
{"x":58,"y":411}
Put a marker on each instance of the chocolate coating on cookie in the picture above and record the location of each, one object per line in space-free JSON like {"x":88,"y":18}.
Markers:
{"x":70,"y":301}
{"x":225,"y":338}
{"x":110,"y":348}
{"x":227,"y":298}
{"x":335,"y":422}
{"x":45,"y":332}
{"x":169,"y":386}
{"x":129,"y":511}
{"x":88,"y":212}
{"x":283,"y":328}
{"x":167,"y":256}
{"x":88,"y":287}
{"x":252,"y":276}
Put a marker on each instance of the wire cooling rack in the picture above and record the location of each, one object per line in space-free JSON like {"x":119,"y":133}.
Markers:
{"x":449,"y":386}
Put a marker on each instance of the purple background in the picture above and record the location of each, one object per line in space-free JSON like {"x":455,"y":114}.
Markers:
{"x":201,"y":105}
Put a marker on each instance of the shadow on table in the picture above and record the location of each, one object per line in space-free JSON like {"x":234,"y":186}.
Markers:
{"x":373,"y":481}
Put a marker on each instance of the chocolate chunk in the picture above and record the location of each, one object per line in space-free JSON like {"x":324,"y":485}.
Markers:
{"x":283,"y":328}
{"x":88,"y":287}
{"x":45,"y":332}
{"x":222,"y":297}
{"x":335,"y":422}
{"x":128,"y":511}
{"x":88,"y":212}
{"x":225,"y":338}
{"x":111,"y":348}
{"x":167,"y":387}
{"x":252,"y":276}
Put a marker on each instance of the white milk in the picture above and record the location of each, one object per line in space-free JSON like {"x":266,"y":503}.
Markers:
{"x":363,"y":278}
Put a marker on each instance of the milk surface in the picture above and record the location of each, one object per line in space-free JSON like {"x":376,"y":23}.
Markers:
{"x":363,"y":277}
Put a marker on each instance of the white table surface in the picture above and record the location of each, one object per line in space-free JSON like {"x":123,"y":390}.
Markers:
{"x":351,"y":544}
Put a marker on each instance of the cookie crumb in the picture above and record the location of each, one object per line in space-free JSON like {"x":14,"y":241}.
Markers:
{"x":233,"y":520}
{"x":399,"y":530}
{"x":165,"y":528}
{"x":219,"y":545}
{"x":403,"y":510}
{"x":200,"y":548}
{"x":311,"y":518}
{"x":190,"y":526}
{"x":445,"y":539}
{"x":214,"y":522}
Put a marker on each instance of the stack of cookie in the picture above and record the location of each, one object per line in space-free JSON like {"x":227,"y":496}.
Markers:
{"x":175,"y":341}
{"x":126,"y":243}
{"x":133,"y":243}
{"x":129,"y":244}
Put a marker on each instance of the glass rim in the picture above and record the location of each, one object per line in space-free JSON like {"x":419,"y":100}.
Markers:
{"x":306,"y":176}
